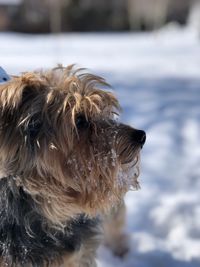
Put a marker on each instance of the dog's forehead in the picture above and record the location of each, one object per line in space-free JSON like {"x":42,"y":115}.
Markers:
{"x":59,"y":91}
{"x":81,"y":93}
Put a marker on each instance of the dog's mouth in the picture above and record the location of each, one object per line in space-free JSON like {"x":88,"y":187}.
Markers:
{"x":131,"y":164}
{"x":129,"y":154}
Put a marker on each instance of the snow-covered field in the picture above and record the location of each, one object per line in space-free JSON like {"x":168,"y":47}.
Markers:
{"x":157,"y":79}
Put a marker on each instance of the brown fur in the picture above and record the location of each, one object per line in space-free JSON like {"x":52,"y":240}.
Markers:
{"x":66,"y":170}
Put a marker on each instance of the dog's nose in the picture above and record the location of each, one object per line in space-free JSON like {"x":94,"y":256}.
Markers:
{"x":139,"y":136}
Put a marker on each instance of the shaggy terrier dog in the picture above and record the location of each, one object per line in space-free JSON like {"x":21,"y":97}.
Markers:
{"x":65,"y":164}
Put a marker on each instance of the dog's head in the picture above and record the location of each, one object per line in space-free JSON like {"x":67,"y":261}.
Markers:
{"x":60,"y":138}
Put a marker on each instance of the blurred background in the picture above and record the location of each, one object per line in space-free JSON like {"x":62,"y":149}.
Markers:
{"x":149,"y":51}
{"x":36,"y":16}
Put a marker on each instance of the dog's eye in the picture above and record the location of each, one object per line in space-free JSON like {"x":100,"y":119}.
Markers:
{"x":81,"y":122}
{"x":34,"y":127}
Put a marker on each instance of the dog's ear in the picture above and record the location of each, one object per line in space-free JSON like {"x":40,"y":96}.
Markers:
{"x":14,"y":91}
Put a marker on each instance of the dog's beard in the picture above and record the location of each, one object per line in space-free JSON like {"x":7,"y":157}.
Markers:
{"x":129,"y":166}
{"x":128,"y":173}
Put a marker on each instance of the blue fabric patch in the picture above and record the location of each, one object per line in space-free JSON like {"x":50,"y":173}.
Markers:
{"x":4,"y":77}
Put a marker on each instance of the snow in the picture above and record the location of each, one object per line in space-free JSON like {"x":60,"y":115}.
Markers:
{"x":156,"y":76}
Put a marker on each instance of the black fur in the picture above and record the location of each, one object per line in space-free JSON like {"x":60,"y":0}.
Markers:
{"x":25,"y":237}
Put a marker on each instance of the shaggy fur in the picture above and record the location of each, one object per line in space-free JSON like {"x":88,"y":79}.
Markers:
{"x":25,"y":234}
{"x":64,"y":161}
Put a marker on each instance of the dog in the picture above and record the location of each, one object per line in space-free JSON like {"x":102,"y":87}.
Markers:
{"x":66,"y":163}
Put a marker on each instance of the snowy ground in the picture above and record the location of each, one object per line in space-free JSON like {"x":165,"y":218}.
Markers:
{"x":157,"y":79}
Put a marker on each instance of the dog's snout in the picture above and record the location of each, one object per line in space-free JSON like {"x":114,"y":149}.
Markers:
{"x":139,"y":136}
